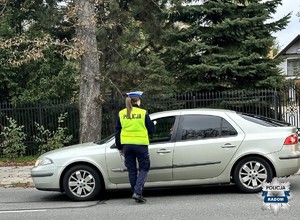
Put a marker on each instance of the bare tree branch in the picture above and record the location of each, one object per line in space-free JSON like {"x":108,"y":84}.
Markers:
{"x":114,"y":85}
{"x":3,"y":4}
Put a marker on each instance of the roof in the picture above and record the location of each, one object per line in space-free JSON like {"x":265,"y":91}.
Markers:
{"x":178,"y":111}
{"x":282,"y":52}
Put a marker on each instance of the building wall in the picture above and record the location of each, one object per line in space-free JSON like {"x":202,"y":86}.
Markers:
{"x":293,"y":49}
{"x":283,"y":65}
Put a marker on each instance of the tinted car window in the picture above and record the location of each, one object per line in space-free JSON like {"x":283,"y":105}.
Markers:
{"x":227,"y":129}
{"x":205,"y":126}
{"x":163,"y":129}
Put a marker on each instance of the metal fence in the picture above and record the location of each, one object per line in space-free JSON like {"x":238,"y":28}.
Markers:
{"x":44,"y":114}
{"x":261,"y":102}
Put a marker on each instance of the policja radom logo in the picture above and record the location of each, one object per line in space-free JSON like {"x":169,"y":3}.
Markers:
{"x":276,"y":196}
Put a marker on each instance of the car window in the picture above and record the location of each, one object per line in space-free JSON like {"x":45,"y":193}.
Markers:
{"x":205,"y":126}
{"x":107,"y":139}
{"x":163,"y":129}
{"x":227,"y":129}
{"x":265,"y":121}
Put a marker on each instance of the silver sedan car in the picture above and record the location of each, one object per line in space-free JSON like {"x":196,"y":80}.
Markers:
{"x":190,"y":147}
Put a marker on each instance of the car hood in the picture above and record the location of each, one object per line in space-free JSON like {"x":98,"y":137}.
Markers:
{"x":75,"y":149}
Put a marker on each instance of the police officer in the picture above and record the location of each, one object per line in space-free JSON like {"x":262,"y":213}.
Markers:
{"x":132,"y":130}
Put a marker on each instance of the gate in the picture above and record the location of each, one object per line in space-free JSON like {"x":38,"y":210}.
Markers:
{"x":289,"y":102}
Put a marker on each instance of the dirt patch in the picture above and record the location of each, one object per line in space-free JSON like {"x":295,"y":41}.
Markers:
{"x":12,"y":163}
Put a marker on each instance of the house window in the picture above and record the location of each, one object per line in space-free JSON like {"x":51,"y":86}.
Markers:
{"x":293,"y":67}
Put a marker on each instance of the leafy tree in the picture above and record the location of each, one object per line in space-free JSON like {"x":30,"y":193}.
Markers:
{"x":223,"y":44}
{"x":275,"y":49}
{"x":129,"y":42}
{"x":34,"y":44}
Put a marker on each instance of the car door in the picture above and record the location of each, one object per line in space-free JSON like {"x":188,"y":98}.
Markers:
{"x":161,"y":150}
{"x":205,"y":145}
{"x":115,"y":165}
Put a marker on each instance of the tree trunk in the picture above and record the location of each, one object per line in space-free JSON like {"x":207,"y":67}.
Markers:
{"x":90,"y":105}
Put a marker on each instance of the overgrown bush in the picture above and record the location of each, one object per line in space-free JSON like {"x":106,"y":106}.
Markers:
{"x":50,"y":140}
{"x":13,"y":137}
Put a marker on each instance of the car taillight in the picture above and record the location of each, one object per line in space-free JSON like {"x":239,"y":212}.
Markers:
{"x":292,"y":139}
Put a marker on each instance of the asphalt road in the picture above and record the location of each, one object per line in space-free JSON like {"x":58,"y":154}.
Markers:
{"x":218,"y":202}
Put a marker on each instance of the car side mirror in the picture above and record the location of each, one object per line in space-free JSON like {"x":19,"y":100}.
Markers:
{"x":113,"y":146}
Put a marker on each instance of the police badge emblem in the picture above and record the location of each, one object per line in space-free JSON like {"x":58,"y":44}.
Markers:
{"x":276,"y":196}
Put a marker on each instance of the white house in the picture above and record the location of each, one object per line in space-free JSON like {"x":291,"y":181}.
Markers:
{"x":291,"y":63}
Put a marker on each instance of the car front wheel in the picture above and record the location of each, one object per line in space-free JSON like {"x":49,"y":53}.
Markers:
{"x":81,"y":183}
{"x":251,"y":172}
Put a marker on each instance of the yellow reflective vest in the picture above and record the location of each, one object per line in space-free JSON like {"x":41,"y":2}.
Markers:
{"x":134,"y":130}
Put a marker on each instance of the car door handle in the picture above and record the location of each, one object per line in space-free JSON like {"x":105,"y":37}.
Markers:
{"x":228,"y":146}
{"x":163,"y":151}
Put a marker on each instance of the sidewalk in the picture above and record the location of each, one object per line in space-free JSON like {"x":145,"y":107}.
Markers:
{"x":15,"y":176}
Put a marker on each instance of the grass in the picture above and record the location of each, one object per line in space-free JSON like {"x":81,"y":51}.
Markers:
{"x":19,"y":184}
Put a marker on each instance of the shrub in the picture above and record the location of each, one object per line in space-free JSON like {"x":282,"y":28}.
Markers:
{"x":48,"y":140}
{"x":13,"y":137}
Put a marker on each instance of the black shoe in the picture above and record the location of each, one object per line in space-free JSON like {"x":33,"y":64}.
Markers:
{"x":142,"y":200}
{"x":138,"y":198}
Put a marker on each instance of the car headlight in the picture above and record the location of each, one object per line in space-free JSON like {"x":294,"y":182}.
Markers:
{"x":43,"y":161}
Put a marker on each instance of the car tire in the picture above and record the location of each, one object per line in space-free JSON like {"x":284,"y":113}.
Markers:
{"x":251,"y":172}
{"x":82,"y":183}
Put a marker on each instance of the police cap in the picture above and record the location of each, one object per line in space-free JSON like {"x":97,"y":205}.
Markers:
{"x":136,"y":94}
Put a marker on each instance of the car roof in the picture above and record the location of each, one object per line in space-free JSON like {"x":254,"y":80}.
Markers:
{"x":194,"y":110}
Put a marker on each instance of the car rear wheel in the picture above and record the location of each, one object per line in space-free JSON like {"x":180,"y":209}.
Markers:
{"x":81,"y":183}
{"x":251,"y":172}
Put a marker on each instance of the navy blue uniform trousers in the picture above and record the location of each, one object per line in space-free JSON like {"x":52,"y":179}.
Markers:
{"x":137,"y":175}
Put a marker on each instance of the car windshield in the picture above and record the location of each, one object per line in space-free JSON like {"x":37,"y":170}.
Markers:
{"x":107,"y":139}
{"x":262,"y":120}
